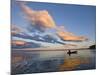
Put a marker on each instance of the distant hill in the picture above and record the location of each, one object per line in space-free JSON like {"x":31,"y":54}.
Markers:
{"x":92,"y":47}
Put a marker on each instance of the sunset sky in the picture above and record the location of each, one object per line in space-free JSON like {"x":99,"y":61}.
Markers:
{"x":78,"y":19}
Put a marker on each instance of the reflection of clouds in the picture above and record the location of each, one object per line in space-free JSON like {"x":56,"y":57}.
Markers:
{"x":51,"y":54}
{"x":85,"y":53}
{"x":16,"y":59}
{"x":73,"y":63}
{"x":54,"y":61}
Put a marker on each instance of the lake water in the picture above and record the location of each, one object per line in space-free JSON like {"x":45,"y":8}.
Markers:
{"x":51,"y":61}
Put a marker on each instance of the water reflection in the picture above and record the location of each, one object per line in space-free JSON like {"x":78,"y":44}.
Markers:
{"x":73,"y":63}
{"x":48,"y":61}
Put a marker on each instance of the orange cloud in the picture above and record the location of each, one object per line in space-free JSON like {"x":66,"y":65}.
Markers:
{"x":41,"y":18}
{"x":18,"y":42}
{"x":68,"y":36}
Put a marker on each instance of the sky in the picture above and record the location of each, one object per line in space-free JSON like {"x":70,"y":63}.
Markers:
{"x":78,"y":19}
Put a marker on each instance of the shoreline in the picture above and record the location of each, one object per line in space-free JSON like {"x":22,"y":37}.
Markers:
{"x":31,"y":49}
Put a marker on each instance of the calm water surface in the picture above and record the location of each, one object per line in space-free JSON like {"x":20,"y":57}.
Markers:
{"x":49,"y":61}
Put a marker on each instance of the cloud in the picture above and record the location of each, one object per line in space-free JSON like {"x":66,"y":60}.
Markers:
{"x":23,"y":44}
{"x":39,"y":19}
{"x":15,"y":29}
{"x":42,"y":20}
{"x":68,"y":36}
{"x":18,"y":42}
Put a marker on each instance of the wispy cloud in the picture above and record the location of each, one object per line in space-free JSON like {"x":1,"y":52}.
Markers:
{"x":15,"y":29}
{"x":40,"y":19}
{"x":68,"y":36}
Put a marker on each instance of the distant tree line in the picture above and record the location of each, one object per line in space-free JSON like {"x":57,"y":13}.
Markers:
{"x":93,"y":47}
